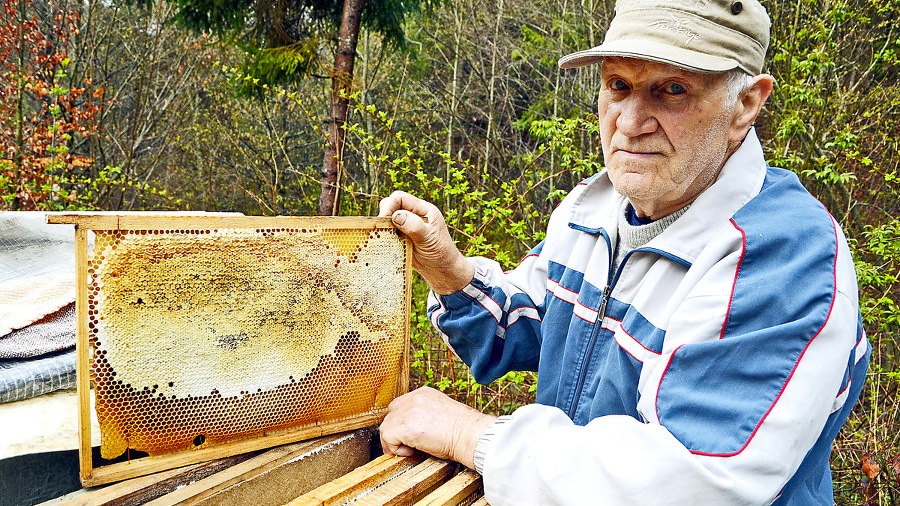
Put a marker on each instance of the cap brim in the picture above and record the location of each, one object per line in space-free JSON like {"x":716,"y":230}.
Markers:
{"x":647,"y":50}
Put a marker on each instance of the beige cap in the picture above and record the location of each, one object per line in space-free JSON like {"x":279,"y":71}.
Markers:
{"x":696,"y":35}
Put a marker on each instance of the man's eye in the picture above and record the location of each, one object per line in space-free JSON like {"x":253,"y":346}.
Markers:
{"x":674,"y":89}
{"x":618,"y":85}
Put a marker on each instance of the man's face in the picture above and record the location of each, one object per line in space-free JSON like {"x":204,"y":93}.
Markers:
{"x":664,"y":131}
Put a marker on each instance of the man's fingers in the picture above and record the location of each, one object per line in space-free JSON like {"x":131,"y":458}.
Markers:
{"x":400,"y":429}
{"x":428,"y":420}
{"x":389,"y":204}
{"x":396,"y":448}
{"x":421,"y":221}
{"x":410,"y":214}
{"x":403,"y":451}
{"x":402,"y":200}
{"x":410,"y":224}
{"x":393,"y":430}
{"x":435,"y":256}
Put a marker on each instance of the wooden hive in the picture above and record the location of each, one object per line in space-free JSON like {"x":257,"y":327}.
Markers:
{"x":205,"y":337}
{"x":331,"y":470}
{"x":394,"y":481}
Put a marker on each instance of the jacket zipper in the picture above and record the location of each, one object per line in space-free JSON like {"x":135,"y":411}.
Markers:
{"x":601,"y":313}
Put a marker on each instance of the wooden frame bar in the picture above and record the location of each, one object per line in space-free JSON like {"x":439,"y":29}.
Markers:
{"x":265,"y":478}
{"x":417,"y":482}
{"x":85,"y":222}
{"x":455,"y":491}
{"x":142,"y":489}
{"x":392,"y":480}
{"x":139,"y":221}
{"x":147,"y":465}
{"x":358,"y":482}
{"x":260,"y":472}
{"x":82,"y":360}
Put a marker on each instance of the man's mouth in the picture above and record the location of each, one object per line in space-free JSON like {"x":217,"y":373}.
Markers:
{"x":640,"y":153}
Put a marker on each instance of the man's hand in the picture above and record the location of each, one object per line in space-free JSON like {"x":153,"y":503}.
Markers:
{"x":430,"y":421}
{"x":435,"y":256}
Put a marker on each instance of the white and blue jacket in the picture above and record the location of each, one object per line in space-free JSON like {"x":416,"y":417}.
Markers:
{"x":715,"y":366}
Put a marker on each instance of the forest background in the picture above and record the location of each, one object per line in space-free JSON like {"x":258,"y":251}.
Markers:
{"x":127,"y":105}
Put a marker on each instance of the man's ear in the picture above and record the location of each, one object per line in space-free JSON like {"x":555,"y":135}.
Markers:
{"x":749,"y":105}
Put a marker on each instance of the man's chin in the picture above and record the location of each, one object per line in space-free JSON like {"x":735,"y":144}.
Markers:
{"x":632,"y":184}
{"x":642,"y":193}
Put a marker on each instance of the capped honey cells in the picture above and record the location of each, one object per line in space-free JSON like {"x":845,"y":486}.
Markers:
{"x":201,"y":337}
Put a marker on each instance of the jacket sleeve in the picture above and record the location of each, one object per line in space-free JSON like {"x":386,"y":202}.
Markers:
{"x":710,"y":431}
{"x":493,"y":324}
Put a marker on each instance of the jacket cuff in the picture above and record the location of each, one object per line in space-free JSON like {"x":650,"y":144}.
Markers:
{"x":465,"y":296}
{"x":486,"y":440}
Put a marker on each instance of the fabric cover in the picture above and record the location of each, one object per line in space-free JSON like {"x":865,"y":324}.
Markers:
{"x":37,"y":306}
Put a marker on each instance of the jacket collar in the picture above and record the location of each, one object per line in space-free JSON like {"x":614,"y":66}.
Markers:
{"x":740,"y":179}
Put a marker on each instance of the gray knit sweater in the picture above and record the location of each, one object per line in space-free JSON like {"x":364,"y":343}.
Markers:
{"x":634,"y":236}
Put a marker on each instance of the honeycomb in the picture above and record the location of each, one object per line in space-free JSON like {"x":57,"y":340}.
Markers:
{"x":202,"y":337}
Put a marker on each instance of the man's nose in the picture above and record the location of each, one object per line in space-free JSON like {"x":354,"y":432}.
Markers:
{"x":636,"y":117}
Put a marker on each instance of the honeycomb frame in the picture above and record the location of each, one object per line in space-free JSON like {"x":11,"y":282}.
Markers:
{"x":209,"y":336}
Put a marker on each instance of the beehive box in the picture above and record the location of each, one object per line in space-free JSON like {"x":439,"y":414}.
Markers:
{"x":205,"y":336}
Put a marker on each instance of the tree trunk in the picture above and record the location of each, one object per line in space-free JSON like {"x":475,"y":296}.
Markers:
{"x":454,"y":97}
{"x":332,"y":163}
{"x":369,"y":169}
{"x":19,"y":155}
{"x":491,"y":87}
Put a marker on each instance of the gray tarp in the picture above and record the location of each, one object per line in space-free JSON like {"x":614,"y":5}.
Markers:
{"x":30,"y":248}
{"x":26,"y":378}
{"x":37,"y":358}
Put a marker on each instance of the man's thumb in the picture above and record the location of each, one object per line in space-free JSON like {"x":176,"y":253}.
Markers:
{"x":399,"y":218}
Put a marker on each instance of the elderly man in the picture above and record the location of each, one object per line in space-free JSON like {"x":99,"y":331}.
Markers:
{"x":692,"y":313}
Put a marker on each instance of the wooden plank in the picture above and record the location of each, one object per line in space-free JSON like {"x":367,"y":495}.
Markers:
{"x":261,"y":469}
{"x":481,"y":502}
{"x":98,"y":220}
{"x":137,"y":491}
{"x":147,"y":465}
{"x":157,"y":221}
{"x":358,"y":481}
{"x":82,"y":380}
{"x":411,"y":485}
{"x":454,"y":491}
{"x":407,"y":339}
